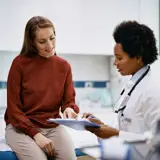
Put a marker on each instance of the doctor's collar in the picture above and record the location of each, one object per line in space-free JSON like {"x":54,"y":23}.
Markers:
{"x":139,"y":73}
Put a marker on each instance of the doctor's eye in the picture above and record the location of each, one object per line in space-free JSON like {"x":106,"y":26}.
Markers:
{"x":119,"y":58}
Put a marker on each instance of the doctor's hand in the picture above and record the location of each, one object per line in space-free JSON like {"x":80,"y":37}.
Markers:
{"x":95,"y":120}
{"x":87,"y":115}
{"x":69,"y":113}
{"x":104,"y":131}
{"x":91,"y":118}
{"x":45,"y":144}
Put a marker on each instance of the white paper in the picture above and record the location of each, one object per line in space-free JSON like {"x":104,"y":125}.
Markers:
{"x":77,"y":124}
{"x":93,"y":152}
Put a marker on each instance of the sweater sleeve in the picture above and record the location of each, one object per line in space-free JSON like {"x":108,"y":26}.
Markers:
{"x":15,"y":114}
{"x":69,"y":92}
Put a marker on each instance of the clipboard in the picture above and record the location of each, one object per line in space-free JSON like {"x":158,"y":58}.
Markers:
{"x":77,"y":124}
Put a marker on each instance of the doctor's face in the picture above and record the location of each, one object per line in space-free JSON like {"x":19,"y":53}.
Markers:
{"x":125,"y":64}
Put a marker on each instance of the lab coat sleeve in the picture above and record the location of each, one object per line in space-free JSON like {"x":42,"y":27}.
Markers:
{"x":151,"y":107}
{"x":128,"y":136}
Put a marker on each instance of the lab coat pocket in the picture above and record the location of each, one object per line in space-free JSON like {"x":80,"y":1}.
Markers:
{"x":125,"y":123}
{"x":137,"y":125}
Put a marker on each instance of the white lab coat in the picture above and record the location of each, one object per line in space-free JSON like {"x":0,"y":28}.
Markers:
{"x":143,"y":108}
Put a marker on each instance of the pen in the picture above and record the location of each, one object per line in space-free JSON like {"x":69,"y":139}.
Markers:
{"x":91,"y":116}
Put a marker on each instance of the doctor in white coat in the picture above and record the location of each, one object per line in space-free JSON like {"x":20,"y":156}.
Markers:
{"x":138,"y":107}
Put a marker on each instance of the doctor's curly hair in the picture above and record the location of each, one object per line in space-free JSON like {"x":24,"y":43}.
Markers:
{"x":136,"y":40}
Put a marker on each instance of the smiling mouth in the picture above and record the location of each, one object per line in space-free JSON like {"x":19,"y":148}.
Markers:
{"x":50,"y":50}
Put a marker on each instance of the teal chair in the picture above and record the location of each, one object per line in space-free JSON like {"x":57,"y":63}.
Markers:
{"x":9,"y":155}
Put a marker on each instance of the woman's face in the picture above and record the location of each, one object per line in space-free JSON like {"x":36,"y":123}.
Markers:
{"x":125,"y":64}
{"x":45,"y":42}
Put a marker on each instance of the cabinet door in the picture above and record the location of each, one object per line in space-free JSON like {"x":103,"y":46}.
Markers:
{"x":82,"y":26}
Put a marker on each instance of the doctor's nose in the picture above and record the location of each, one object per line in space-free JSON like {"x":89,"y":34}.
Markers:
{"x":115,"y":63}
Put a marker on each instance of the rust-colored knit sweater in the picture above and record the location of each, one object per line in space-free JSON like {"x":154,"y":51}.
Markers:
{"x":36,"y":89}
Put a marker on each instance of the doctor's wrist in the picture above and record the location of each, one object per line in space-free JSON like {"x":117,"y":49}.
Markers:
{"x":116,"y":132}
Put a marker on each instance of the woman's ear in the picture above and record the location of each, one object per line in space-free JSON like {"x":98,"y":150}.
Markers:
{"x":34,"y":47}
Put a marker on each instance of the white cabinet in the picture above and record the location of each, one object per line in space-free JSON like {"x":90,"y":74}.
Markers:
{"x":82,"y":26}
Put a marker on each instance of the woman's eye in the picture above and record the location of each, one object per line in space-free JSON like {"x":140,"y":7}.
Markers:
{"x":41,"y":42}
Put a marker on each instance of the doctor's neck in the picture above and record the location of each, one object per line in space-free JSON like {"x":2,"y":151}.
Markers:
{"x":138,"y":67}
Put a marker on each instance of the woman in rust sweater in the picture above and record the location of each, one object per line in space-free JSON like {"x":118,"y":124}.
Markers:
{"x":39,"y":85}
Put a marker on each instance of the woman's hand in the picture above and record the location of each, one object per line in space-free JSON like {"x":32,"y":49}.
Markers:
{"x":104,"y":131}
{"x":45,"y":144}
{"x":69,"y":113}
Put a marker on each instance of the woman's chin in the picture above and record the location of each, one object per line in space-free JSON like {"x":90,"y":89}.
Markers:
{"x":47,"y":54}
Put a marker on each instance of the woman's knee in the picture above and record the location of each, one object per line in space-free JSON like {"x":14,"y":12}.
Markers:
{"x":24,"y":146}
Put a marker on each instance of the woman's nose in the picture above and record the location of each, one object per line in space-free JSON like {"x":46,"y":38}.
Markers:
{"x":49,"y":45}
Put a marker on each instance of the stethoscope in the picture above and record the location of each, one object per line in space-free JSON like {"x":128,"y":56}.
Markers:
{"x":126,"y":98}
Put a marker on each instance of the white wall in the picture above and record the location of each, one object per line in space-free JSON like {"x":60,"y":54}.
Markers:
{"x":88,"y":67}
{"x":82,"y":26}
{"x":6,"y":58}
{"x":149,"y":14}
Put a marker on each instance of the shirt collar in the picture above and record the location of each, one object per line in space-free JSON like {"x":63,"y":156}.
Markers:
{"x":138,"y":74}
